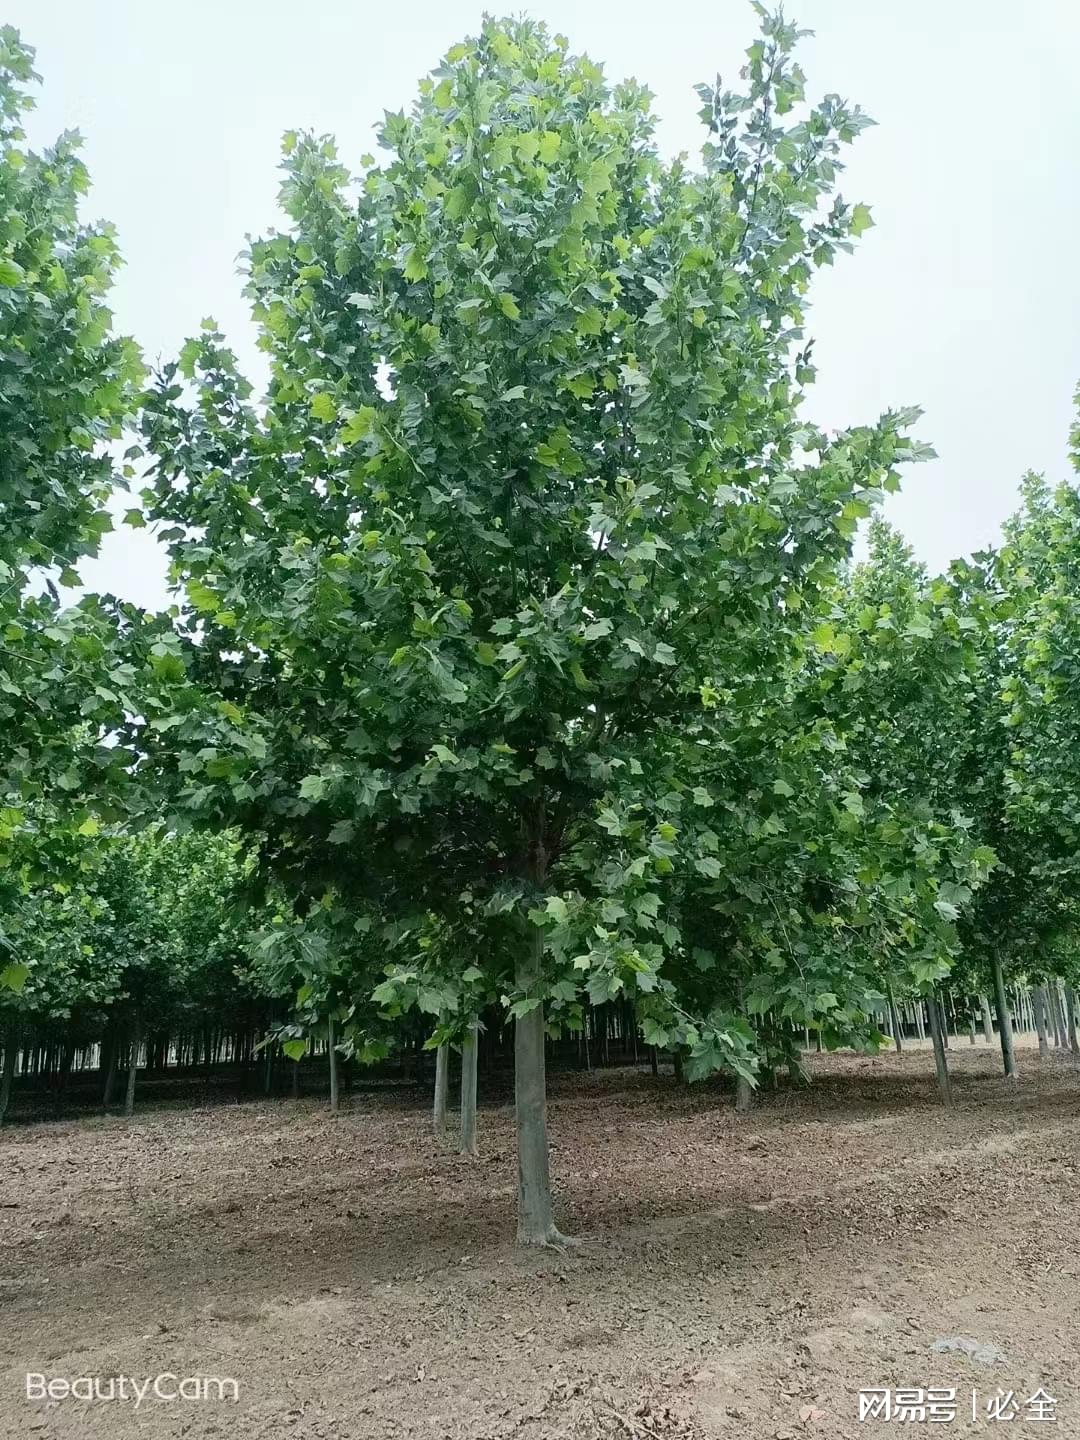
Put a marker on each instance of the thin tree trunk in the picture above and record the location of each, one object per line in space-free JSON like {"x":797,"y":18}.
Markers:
{"x":133,"y":1064}
{"x":536,"y":1222}
{"x":1058,"y":1012}
{"x":467,"y":1144}
{"x":332,"y":1052}
{"x":442,"y":1087}
{"x":11,"y":1045}
{"x":1061,"y":1013}
{"x":110,"y":1073}
{"x":744,"y":1095}
{"x":987,"y":1022}
{"x":1040,"y":1020}
{"x":941,"y":1064}
{"x":894,"y":1015}
{"x":1004,"y":1023}
{"x":67,"y":1056}
{"x":1070,"y":1019}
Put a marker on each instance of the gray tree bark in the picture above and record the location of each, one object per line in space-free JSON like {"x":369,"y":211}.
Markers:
{"x":987,"y":1022}
{"x":442,"y":1089}
{"x":536,"y":1222}
{"x":1054,"y":1014}
{"x":1058,"y":1012}
{"x":11,"y":1046}
{"x":110,"y":1072}
{"x":331,"y":1047}
{"x":1070,"y":1019}
{"x":744,"y":1094}
{"x":133,"y":1064}
{"x":894,"y":1016}
{"x":941,"y":1064}
{"x":1004,"y":1023}
{"x":467,"y":1144}
{"x":1040,"y":1020}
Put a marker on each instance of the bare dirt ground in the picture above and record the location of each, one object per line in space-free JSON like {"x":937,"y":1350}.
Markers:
{"x":739,"y":1277}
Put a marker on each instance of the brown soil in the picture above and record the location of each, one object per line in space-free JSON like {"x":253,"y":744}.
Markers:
{"x":738,"y":1277}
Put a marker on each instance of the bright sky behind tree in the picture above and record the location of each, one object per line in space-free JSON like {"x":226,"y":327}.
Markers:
{"x":964,"y":298}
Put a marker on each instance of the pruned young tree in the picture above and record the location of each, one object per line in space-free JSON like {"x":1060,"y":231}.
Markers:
{"x":529,"y":493}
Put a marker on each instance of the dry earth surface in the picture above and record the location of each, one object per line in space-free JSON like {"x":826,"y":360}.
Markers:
{"x":738,"y":1277}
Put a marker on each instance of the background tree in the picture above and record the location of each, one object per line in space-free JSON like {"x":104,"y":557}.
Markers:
{"x":66,"y":386}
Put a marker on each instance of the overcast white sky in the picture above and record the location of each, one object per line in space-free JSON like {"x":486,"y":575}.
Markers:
{"x":964,"y":299}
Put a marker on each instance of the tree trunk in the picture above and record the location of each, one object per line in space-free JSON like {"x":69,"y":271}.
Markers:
{"x":442,"y":1087}
{"x":110,"y":1073}
{"x":941,"y":1064}
{"x":1070,"y":1019}
{"x":1004,"y":1023}
{"x":67,"y":1056}
{"x":987,"y":1022}
{"x":1056,"y":1014}
{"x":331,"y":1050}
{"x":536,"y":1223}
{"x":743,"y":1096}
{"x":467,"y":1144}
{"x":133,"y":1064}
{"x":11,"y":1045}
{"x":894,"y":1016}
{"x":1040,"y":1020}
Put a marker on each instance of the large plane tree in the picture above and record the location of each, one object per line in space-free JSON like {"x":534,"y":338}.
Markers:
{"x":529,"y":511}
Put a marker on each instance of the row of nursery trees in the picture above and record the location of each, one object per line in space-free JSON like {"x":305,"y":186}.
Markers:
{"x":517,"y":663}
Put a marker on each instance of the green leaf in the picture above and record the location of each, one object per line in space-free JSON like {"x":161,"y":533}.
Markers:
{"x":357,"y":425}
{"x":861,"y":219}
{"x":14,"y":976}
{"x":415,"y":266}
{"x":549,"y":147}
{"x":323,"y":407}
